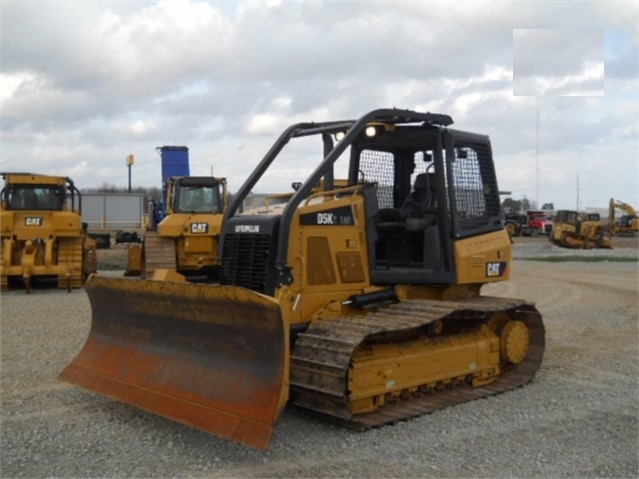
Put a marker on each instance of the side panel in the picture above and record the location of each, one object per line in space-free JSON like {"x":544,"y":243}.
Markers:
{"x":483,"y":259}
{"x":328,"y":254}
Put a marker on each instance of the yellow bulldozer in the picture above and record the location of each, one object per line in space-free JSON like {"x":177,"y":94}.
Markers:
{"x":42,"y":233}
{"x":357,"y":299}
{"x":186,"y":239}
{"x":573,"y":229}
{"x":627,"y":224}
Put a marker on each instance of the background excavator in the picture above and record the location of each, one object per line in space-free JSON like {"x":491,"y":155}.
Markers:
{"x":185,"y":225}
{"x":627,"y":224}
{"x":42,"y":232}
{"x":357,"y":298}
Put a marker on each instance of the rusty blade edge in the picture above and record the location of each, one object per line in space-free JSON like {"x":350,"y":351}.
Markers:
{"x":239,"y":429}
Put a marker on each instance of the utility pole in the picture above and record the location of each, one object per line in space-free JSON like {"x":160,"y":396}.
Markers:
{"x":537,"y":157}
{"x":577,"y":191}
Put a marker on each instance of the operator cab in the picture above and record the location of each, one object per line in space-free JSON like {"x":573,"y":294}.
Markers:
{"x":34,"y":197}
{"x":432,"y":185}
{"x":198,"y":195}
{"x":423,"y":186}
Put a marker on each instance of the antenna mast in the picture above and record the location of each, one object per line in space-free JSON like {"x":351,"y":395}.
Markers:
{"x":577,"y":191}
{"x":537,"y":158}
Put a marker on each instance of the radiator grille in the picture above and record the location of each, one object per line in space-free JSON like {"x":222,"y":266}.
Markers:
{"x":245,"y":261}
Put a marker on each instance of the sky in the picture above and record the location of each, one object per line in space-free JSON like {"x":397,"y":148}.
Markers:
{"x":554,"y":84}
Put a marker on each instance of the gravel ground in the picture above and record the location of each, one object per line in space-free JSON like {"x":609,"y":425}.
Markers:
{"x":623,"y":248}
{"x":578,"y":418}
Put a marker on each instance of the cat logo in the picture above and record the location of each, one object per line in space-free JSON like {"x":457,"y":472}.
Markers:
{"x":33,"y":221}
{"x":199,"y":228}
{"x":494,"y":270}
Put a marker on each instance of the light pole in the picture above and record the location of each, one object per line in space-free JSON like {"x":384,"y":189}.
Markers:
{"x":129,"y":163}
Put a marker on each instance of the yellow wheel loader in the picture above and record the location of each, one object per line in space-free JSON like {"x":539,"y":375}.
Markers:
{"x":186,"y":239}
{"x":572,"y":229}
{"x":357,"y":299}
{"x":42,"y":232}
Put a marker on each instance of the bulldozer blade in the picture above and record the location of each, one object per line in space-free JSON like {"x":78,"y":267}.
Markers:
{"x":212,"y":357}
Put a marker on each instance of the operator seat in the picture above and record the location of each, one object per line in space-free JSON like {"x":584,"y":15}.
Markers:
{"x":422,"y":199}
{"x":415,"y":224}
{"x":29,"y":200}
{"x":421,"y":203}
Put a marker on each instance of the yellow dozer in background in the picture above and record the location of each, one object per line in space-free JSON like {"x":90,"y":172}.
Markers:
{"x":42,"y":231}
{"x":186,"y":239}
{"x":359,"y":299}
{"x":573,"y":229}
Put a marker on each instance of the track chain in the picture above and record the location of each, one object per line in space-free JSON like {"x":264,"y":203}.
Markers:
{"x":320,"y":359}
{"x":159,"y":253}
{"x":70,"y":255}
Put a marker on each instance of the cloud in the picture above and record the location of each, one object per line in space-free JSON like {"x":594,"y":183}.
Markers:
{"x":88,"y":83}
{"x":558,"y":62}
